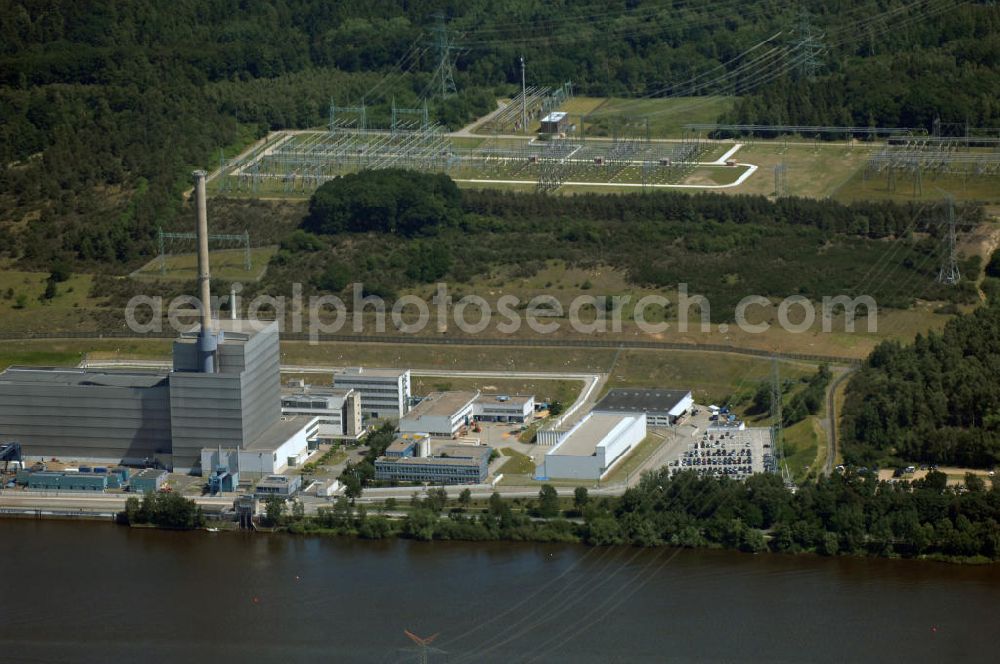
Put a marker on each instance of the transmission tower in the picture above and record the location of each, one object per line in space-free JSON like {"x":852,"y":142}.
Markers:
{"x":949,"y":273}
{"x":811,"y":46}
{"x":423,"y":649}
{"x":524,"y":101}
{"x":780,"y":180}
{"x":444,"y":74}
{"x":776,"y":421}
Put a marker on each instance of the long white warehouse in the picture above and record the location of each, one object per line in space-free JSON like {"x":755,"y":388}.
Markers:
{"x":593,"y":446}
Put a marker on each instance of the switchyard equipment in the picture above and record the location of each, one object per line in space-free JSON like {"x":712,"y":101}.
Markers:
{"x":918,"y":156}
{"x":302,"y":162}
{"x":751,"y":131}
{"x":533,"y":102}
{"x":241,"y":240}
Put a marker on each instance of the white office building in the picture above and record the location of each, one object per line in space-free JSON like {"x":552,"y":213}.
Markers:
{"x":284,"y":445}
{"x":338,"y":411}
{"x":503,"y":408}
{"x":593,"y":446}
{"x":385,"y":393}
{"x":440,"y":414}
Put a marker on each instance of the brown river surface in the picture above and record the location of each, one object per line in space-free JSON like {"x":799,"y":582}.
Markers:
{"x":87,"y":592}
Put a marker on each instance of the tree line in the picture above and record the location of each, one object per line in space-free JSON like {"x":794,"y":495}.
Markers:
{"x":844,"y":514}
{"x":935,"y":400}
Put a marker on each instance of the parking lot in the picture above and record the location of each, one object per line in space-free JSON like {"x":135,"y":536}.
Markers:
{"x":726,"y":452}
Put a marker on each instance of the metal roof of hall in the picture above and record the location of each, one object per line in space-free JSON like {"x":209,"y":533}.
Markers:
{"x":82,"y":377}
{"x":631,"y":400}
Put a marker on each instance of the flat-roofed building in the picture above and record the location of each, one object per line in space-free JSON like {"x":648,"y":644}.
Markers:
{"x":555,"y":122}
{"x":278,"y":485}
{"x":86,"y":413}
{"x":662,"y":407}
{"x":384,"y":393}
{"x":441,"y":414}
{"x":594,"y":445}
{"x":451,"y":464}
{"x":283,"y":445}
{"x":338,"y":410}
{"x":61,"y":481}
{"x":149,"y":480}
{"x":410,"y":444}
{"x":503,"y":408}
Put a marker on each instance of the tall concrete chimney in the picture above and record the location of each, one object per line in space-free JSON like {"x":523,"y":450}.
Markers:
{"x":232,"y":303}
{"x":208,"y":342}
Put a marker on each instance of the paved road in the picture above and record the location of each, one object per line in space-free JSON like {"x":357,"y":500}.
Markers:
{"x":591,"y":388}
{"x":107,"y":502}
{"x":467,"y":130}
{"x":830,"y":421}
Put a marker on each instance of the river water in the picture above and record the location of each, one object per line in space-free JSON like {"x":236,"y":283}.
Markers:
{"x":102,"y":593}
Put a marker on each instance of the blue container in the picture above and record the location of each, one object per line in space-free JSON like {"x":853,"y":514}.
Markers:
{"x":99,"y":469}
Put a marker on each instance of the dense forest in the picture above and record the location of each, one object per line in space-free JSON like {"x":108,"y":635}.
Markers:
{"x":391,"y":230}
{"x":838,"y":515}
{"x":107,"y":106}
{"x":936,"y":400}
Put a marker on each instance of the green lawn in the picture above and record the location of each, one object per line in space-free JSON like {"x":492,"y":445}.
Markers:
{"x":802,"y":443}
{"x":37,"y":357}
{"x":69,"y":352}
{"x":712,"y":376}
{"x":517,"y":463}
{"x":67,"y":310}
{"x":981,"y":188}
{"x":812,"y":171}
{"x":623,"y":471}
{"x":666,"y":116}
{"x":565,"y":391}
{"x":711,"y":175}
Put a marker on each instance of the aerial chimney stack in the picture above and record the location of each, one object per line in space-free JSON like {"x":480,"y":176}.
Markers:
{"x":208,"y":342}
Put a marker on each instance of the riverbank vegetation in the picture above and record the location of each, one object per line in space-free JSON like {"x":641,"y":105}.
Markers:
{"x":164,"y":510}
{"x":844,"y":514}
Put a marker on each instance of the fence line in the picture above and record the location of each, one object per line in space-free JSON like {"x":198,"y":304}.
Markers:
{"x":471,"y":341}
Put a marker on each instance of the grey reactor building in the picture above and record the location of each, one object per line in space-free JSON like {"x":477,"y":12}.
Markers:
{"x":224,"y":393}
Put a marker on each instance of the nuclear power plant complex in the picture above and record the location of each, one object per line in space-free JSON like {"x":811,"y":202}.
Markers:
{"x":221,"y":398}
{"x":218,"y":411}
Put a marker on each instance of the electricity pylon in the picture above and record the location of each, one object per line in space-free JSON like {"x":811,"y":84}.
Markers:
{"x":444,"y":74}
{"x":423,"y":648}
{"x":776,"y":421}
{"x":949,"y":273}
{"x":811,"y":45}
